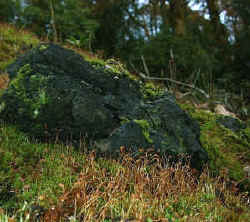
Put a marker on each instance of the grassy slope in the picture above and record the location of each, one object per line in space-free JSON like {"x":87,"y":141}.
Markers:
{"x":13,"y":43}
{"x":67,"y":183}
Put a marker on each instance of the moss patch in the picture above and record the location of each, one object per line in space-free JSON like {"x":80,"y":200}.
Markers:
{"x":110,"y":66}
{"x":37,"y":173}
{"x":145,"y":127}
{"x":228,"y":151}
{"x":151,"y":90}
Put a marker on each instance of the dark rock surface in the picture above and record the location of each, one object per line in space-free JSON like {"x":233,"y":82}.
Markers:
{"x":54,"y":90}
{"x":163,"y":125}
{"x":231,"y":123}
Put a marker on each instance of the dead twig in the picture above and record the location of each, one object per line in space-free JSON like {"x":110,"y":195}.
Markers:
{"x":145,"y":66}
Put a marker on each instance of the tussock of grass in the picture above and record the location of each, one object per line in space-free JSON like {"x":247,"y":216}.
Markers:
{"x":135,"y":190}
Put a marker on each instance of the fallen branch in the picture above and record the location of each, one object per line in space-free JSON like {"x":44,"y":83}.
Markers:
{"x":176,"y":82}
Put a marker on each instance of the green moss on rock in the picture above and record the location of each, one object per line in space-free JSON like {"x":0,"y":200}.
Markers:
{"x":226,"y":149}
{"x":145,"y":126}
{"x":43,"y":47}
{"x":151,"y":90}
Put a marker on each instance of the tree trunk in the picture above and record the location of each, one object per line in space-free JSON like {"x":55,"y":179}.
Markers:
{"x":218,"y":27}
{"x":177,"y":15}
{"x":52,"y":14}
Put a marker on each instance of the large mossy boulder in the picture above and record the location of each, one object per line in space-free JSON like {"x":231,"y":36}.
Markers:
{"x":54,"y":91}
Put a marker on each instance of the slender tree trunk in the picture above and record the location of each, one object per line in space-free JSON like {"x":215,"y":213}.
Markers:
{"x":214,"y":13}
{"x":163,"y":11}
{"x":52,"y":14}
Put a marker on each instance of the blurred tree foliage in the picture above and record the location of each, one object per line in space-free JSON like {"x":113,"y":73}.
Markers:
{"x":9,"y":10}
{"x":60,"y":20}
{"x":211,"y":42}
{"x":239,"y":21}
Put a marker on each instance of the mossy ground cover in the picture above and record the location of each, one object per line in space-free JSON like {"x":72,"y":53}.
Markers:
{"x":55,"y":182}
{"x":31,"y":169}
{"x":72,"y":185}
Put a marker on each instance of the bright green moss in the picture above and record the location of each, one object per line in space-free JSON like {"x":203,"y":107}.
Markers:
{"x":26,"y":82}
{"x":96,"y":62}
{"x":145,"y":126}
{"x":224,"y":147}
{"x":150,"y":90}
{"x":202,"y":116}
{"x":23,"y":72}
{"x":43,"y":47}
{"x":123,"y":120}
{"x":116,"y":66}
{"x":110,"y":66}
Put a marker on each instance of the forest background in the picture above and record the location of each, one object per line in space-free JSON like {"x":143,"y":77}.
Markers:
{"x":207,"y":45}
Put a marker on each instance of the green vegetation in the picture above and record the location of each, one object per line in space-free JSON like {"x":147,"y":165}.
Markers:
{"x":13,"y":43}
{"x":145,"y":126}
{"x":33,"y":170}
{"x":54,"y":182}
{"x":66,"y":183}
{"x":151,"y":90}
{"x":228,"y":151}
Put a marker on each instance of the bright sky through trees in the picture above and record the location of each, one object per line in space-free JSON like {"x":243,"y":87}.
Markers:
{"x":193,"y":5}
